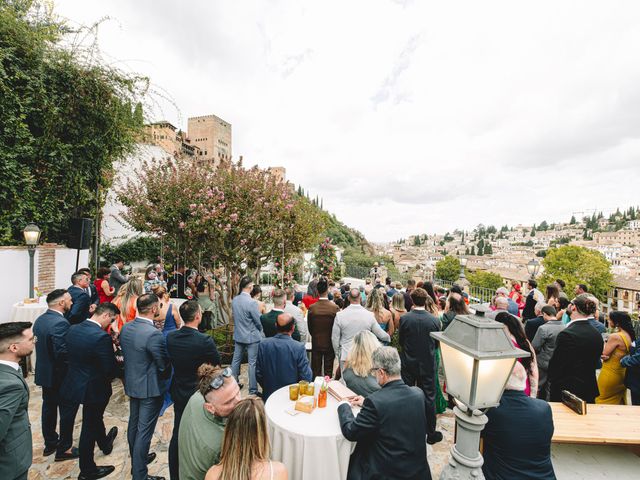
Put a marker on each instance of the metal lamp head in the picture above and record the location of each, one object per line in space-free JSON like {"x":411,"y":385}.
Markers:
{"x":533,"y":267}
{"x":463,"y":261}
{"x":31,"y":234}
{"x":478,"y":357}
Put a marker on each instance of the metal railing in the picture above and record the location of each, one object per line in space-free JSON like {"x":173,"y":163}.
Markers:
{"x":478,"y":294}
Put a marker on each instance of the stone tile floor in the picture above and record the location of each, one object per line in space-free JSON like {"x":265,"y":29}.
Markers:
{"x":117,"y":414}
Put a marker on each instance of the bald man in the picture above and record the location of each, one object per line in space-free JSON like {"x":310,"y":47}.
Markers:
{"x":281,"y":360}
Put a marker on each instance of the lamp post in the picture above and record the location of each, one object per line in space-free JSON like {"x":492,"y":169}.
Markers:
{"x":31,"y":237}
{"x":478,"y":357}
{"x":533,"y":267}
{"x":462,"y":279}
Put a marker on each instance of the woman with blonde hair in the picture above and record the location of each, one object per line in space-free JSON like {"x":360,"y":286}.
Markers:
{"x":375,"y":304}
{"x":397,"y":309}
{"x":357,"y":367}
{"x":126,"y":301}
{"x":245,"y":446}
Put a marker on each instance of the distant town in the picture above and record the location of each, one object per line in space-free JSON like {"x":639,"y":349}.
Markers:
{"x":506,"y":250}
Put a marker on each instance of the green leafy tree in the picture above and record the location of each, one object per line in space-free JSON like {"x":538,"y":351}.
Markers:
{"x":544,"y":226}
{"x":533,"y":231}
{"x":488,"y":249}
{"x":575,"y":265}
{"x":416,"y":241}
{"x":484,"y":279}
{"x":448,"y":268}
{"x":473,"y":250}
{"x":64,"y":120}
{"x":573,"y":220}
{"x":481,"y":247}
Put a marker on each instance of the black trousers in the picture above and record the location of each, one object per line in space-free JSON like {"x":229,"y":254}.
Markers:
{"x":423,"y":377}
{"x":317,"y":359}
{"x":50,"y":406}
{"x":68,"y":411}
{"x":174,"y":470}
{"x":92,"y":432}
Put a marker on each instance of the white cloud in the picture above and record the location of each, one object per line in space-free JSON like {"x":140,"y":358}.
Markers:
{"x":406,"y":116}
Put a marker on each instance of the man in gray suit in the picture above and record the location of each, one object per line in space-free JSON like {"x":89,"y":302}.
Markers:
{"x":16,"y":342}
{"x":146,"y":373}
{"x":247,"y":332}
{"x":351,"y":321}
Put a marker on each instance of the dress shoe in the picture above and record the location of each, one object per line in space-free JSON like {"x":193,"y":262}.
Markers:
{"x":67,"y":456}
{"x":151,"y":457}
{"x":99,"y":472}
{"x":435,"y":437}
{"x":151,"y":477}
{"x":111,"y":436}
{"x":49,"y":450}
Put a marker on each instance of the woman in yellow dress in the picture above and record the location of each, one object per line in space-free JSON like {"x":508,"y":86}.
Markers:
{"x":611,"y":379}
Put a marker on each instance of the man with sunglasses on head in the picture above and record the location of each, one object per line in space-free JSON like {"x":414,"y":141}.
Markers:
{"x":203,"y":421}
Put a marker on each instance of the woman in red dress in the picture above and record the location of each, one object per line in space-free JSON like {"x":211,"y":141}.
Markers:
{"x":105,"y":291}
{"x":312,"y":295}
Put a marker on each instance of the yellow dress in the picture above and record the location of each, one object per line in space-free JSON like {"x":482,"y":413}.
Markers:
{"x":611,"y":379}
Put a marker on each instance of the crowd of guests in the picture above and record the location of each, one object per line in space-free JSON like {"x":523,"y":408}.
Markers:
{"x":375,"y":338}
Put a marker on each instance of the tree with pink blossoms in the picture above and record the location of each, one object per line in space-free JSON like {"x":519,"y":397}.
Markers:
{"x":232,"y":217}
{"x":326,"y":259}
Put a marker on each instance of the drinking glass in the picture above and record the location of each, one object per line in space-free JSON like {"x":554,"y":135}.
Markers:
{"x":294,"y":392}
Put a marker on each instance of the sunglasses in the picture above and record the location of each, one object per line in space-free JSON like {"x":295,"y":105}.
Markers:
{"x":218,"y":380}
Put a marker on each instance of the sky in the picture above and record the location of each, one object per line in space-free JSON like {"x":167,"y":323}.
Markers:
{"x":403,"y":116}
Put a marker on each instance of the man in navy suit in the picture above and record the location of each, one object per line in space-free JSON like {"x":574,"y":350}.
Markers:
{"x":419,"y":356}
{"x":82,"y":307}
{"x":51,"y":366}
{"x":146,"y":374}
{"x":188,"y":349}
{"x":281,"y":360}
{"x":247,"y":332}
{"x":91,"y":290}
{"x":517,"y":438}
{"x":92,"y":366}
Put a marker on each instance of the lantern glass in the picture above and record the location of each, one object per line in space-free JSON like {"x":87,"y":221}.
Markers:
{"x":463,"y":261}
{"x":491,"y":377}
{"x":458,"y":372}
{"x":31,"y":234}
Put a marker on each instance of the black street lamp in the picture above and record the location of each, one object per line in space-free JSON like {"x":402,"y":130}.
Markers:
{"x":31,"y":237}
{"x":533,"y":267}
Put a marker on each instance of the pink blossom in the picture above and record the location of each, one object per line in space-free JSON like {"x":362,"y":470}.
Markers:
{"x":181,"y":225}
{"x":234,"y":217}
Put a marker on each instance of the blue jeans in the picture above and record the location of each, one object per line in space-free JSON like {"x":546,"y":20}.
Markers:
{"x":252,"y":355}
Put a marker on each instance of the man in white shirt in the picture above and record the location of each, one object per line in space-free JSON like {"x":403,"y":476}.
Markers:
{"x":349,"y":322}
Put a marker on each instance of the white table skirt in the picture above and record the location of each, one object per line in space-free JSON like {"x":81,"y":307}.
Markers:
{"x":310,"y":445}
{"x":27,"y":312}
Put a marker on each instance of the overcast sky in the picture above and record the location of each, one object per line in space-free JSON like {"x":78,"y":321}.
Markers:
{"x":405,"y":116}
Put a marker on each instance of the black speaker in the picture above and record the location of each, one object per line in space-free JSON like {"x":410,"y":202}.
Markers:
{"x":80,"y":233}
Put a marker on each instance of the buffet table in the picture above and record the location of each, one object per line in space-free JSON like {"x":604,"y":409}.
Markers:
{"x":310,"y":445}
{"x":26,"y":312}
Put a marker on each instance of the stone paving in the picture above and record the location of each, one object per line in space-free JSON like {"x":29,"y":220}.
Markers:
{"x":117,"y":414}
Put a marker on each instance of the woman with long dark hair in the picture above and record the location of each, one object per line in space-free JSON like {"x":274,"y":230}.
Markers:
{"x":611,"y":380}
{"x":519,"y":339}
{"x":428,"y":286}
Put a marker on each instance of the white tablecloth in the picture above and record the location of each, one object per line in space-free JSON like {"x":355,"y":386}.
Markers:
{"x":310,"y":445}
{"x":25,"y":313}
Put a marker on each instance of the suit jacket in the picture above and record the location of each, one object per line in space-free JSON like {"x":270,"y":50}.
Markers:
{"x":188,"y":349}
{"x":146,"y":362}
{"x":320,"y":320}
{"x":348,"y":323}
{"x":281,"y":361}
{"x":268,"y":321}
{"x":575,"y":360}
{"x":116,"y":279}
{"x":15,"y":429}
{"x":632,"y":363}
{"x":391,"y":432}
{"x":418,"y":348}
{"x":246,"y":317}
{"x":51,"y":349}
{"x":517,"y":439}
{"x":301,"y":325}
{"x":81,"y":302}
{"x":92,"y":365}
{"x":531,"y":327}
{"x":95,"y":298}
